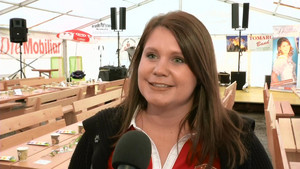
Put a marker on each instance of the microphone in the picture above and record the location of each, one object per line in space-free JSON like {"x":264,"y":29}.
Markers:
{"x":133,"y":151}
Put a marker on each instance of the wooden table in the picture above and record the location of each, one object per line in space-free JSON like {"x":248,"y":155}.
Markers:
{"x":290,"y":133}
{"x":39,"y":156}
{"x":296,"y":91}
{"x":90,"y":87}
{"x":8,"y":98}
{"x":255,"y":95}
{"x":45,"y":71}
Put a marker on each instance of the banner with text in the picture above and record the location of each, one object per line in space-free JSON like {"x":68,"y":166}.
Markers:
{"x":260,"y":42}
{"x":37,"y":45}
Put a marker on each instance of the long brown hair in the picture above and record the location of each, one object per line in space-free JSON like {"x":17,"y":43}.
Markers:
{"x":279,"y":43}
{"x":208,"y":119}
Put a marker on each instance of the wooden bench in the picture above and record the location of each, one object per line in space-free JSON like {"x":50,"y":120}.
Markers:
{"x":8,"y":106}
{"x":281,"y":160}
{"x":283,"y":108}
{"x":226,"y":100}
{"x":65,"y":98}
{"x":111,"y":85}
{"x":14,"y":83}
{"x":39,"y":82}
{"x":275,"y":144}
{"x":87,"y":107}
{"x":229,"y":91}
{"x":15,"y":124}
{"x":290,"y":136}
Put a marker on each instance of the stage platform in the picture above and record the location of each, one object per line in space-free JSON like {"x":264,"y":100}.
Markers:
{"x":251,"y":99}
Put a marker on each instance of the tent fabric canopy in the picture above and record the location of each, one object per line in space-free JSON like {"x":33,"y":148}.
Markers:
{"x":60,"y":15}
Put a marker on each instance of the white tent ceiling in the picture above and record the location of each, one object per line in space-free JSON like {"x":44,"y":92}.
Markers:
{"x":60,"y":15}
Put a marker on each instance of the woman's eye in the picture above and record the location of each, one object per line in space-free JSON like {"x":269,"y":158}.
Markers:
{"x":151,"y":56}
{"x":179,"y":60}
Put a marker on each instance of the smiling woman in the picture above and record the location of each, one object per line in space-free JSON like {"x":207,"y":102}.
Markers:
{"x":163,"y":74}
{"x":174,"y":98}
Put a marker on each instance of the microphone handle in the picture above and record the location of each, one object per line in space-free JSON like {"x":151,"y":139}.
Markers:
{"x":124,"y":166}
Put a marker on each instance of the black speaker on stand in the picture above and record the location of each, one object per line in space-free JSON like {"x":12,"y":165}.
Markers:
{"x":245,"y":15}
{"x":122,"y":19}
{"x":235,"y":15}
{"x":239,"y":76}
{"x":18,"y":34}
{"x":122,"y":25}
{"x":113,"y":18}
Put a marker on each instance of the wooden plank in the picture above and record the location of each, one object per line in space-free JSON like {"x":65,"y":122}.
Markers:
{"x":287,"y":135}
{"x":84,"y":115}
{"x":266,"y":95}
{"x":54,"y":96}
{"x":226,"y":99}
{"x":272,"y":110}
{"x":39,"y":82}
{"x":278,"y":109}
{"x":31,"y":134}
{"x":269,"y":134}
{"x":296,"y":129}
{"x":281,"y":160}
{"x":28,"y":119}
{"x":294,"y":165}
{"x":287,"y":110}
{"x":87,"y":107}
{"x":63,"y":165}
{"x":3,"y":85}
{"x":84,"y":104}
{"x":9,"y":105}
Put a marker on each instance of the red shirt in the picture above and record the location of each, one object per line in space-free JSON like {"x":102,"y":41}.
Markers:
{"x":181,"y":161}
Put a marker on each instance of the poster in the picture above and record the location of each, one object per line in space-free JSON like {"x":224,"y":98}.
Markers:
{"x":285,"y":60}
{"x":284,"y":63}
{"x":260,"y":42}
{"x":233,"y":43}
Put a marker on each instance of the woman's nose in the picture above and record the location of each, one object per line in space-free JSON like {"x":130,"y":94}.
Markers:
{"x":161,"y":68}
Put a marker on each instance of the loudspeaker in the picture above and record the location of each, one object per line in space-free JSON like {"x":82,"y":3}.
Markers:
{"x":240,"y":78}
{"x":110,"y":73}
{"x":113,"y":18}
{"x":224,"y":78}
{"x":18,"y":30}
{"x":122,"y":20}
{"x":235,"y":15}
{"x":245,"y":15}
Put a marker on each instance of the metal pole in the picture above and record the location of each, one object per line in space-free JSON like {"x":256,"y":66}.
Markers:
{"x":21,"y":67}
{"x":21,"y":61}
{"x":119,"y":49}
{"x":239,"y":50}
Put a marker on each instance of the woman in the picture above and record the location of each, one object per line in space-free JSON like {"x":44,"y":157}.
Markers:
{"x":284,"y":68}
{"x":174,"y":98}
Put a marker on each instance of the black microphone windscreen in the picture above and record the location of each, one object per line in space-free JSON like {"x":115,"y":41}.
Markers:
{"x":133,"y":149}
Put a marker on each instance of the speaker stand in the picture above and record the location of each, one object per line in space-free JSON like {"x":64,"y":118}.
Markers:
{"x":21,"y":68}
{"x":119,"y":63}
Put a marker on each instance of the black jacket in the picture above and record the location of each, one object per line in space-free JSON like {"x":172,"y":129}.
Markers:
{"x":95,"y":146}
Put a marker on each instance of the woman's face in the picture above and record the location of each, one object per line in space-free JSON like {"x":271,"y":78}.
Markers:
{"x":285,"y":48}
{"x":164,"y":78}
